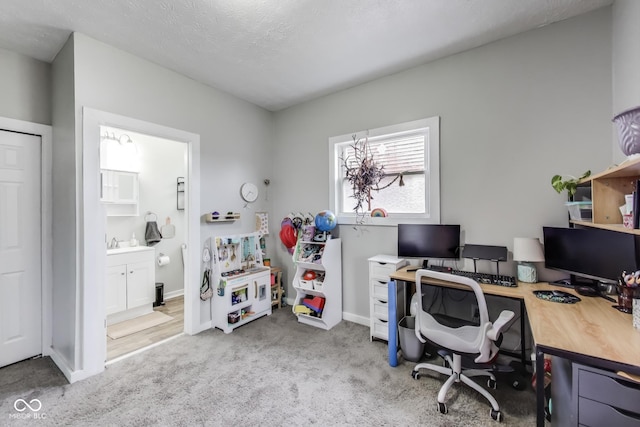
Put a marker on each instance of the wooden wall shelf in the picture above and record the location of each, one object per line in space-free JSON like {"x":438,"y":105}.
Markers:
{"x":221,"y":218}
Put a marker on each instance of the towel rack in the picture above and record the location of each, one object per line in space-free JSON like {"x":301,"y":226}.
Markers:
{"x":148,"y":215}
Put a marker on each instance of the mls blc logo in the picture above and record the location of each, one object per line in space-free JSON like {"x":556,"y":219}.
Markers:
{"x":27,"y":410}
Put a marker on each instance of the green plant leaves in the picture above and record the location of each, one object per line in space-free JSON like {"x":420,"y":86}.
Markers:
{"x":569,"y":183}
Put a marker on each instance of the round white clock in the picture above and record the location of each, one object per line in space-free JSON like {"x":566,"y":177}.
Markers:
{"x":249,"y":192}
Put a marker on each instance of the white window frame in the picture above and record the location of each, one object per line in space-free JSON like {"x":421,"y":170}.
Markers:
{"x":431,"y":128}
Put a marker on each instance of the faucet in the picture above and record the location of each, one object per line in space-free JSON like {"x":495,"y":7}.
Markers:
{"x":114,"y":244}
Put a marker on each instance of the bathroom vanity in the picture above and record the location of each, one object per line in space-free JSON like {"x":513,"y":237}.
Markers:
{"x":130,"y":290}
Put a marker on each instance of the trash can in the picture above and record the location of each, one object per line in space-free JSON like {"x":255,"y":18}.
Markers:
{"x":159,"y":294}
{"x":412,"y":348}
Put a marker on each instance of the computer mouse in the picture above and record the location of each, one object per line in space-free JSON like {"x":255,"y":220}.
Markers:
{"x":586,"y":291}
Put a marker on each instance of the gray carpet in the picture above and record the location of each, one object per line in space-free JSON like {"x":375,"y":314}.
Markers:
{"x":271,"y":372}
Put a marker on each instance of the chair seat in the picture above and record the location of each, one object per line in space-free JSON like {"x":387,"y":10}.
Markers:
{"x":464,"y":339}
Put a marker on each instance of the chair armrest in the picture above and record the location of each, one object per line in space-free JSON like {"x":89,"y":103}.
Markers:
{"x":502,"y":320}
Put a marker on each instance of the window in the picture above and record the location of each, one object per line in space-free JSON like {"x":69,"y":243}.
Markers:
{"x":408,"y":152}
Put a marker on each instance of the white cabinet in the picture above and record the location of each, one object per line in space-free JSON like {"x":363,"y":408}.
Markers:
{"x":318,"y":283}
{"x":380,"y":269}
{"x":130,"y":289}
{"x":119,"y":192}
{"x":241,"y":282}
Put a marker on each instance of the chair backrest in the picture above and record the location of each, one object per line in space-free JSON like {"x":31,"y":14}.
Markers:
{"x":472,"y":339}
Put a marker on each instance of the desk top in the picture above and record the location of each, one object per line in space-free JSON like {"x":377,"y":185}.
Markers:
{"x":590,"y":328}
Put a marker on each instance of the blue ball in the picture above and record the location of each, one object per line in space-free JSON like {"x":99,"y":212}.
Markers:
{"x":326,"y":221}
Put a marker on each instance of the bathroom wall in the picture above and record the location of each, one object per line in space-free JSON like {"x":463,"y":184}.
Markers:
{"x":161,"y":163}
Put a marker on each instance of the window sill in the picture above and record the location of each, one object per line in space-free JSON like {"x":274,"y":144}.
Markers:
{"x":389,"y":221}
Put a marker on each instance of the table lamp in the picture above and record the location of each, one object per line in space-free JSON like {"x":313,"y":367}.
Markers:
{"x":527,"y":250}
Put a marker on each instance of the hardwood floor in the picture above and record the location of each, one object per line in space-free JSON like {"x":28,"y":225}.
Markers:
{"x":173,"y":307}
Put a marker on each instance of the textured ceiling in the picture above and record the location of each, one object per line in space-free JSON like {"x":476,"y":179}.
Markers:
{"x":277,"y":53}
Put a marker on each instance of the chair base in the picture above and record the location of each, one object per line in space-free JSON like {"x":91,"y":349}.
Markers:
{"x":456,"y":374}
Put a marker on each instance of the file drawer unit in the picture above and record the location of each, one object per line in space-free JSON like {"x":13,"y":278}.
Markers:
{"x":380,"y":269}
{"x":605,"y":398}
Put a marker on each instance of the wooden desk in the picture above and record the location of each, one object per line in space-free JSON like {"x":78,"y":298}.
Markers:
{"x":589,"y":332}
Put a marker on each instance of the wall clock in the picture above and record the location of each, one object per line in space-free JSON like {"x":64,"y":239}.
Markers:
{"x":249,"y":192}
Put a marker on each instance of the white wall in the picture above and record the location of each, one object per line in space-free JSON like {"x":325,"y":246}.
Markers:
{"x":626,"y":60}
{"x":65,"y":202}
{"x":25,"y":85}
{"x":162,"y":161}
{"x":235,"y":141}
{"x":513,"y":114}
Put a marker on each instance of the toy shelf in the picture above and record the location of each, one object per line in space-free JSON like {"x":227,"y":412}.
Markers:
{"x":323,"y":293}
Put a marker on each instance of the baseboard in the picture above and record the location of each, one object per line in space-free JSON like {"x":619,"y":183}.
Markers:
{"x":360,"y":320}
{"x":70,"y":374}
{"x":174,"y":294}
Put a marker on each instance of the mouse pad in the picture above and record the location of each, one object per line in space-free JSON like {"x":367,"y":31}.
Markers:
{"x":557,"y":296}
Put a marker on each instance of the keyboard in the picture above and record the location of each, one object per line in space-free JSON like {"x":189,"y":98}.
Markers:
{"x":483,"y":278}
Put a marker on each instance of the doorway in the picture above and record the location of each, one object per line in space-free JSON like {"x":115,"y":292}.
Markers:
{"x":154,"y":170}
{"x":92,"y":343}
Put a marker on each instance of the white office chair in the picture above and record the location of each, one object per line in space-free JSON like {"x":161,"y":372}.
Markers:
{"x":467,"y":339}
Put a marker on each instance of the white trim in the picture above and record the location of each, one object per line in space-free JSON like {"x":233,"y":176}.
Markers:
{"x":432,"y":186}
{"x":45,"y":133}
{"x":174,"y":294}
{"x":92,"y":313}
{"x":355,"y":318}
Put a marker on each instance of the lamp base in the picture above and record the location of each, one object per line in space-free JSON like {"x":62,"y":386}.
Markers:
{"x":527,"y":273}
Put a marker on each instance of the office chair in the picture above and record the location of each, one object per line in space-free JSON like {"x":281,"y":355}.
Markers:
{"x":460,"y":338}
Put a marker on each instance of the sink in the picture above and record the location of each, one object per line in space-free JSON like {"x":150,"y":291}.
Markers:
{"x":129,"y":250}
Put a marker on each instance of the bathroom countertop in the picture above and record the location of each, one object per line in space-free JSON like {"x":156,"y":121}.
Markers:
{"x":129,"y":249}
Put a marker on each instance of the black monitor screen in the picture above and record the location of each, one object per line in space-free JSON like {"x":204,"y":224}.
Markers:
{"x":428,"y":241}
{"x":590,"y":252}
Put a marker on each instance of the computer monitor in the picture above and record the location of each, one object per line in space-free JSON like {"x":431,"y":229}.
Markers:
{"x":591,"y":253}
{"x":429,"y":241}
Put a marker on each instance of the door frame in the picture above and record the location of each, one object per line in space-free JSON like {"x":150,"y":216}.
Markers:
{"x":92,"y":311}
{"x":46,"y":219}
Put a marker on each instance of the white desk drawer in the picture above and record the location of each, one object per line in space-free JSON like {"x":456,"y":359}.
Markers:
{"x":379,"y":290}
{"x":380,"y":310}
{"x":381,"y":271}
{"x":380,"y":329}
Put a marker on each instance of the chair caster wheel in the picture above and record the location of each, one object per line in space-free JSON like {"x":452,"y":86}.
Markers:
{"x":415,"y":374}
{"x":496,"y":415}
{"x":518,"y":385}
{"x":491,"y":383}
{"x":442,"y":407}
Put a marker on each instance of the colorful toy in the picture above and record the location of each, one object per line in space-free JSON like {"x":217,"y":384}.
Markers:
{"x":316,"y":304}
{"x":301,"y":309}
{"x":378,"y":213}
{"x":309,"y":275}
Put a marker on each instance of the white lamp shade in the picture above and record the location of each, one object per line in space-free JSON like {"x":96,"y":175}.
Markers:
{"x":527,"y":249}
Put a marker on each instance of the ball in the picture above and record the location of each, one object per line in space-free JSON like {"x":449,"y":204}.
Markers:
{"x":326,"y":221}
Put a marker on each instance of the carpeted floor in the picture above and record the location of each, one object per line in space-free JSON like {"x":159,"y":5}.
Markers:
{"x":271,"y":372}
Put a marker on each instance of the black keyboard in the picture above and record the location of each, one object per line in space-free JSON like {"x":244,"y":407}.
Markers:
{"x":484,"y":278}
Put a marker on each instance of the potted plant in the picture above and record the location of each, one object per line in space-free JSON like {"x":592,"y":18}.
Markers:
{"x":567,"y":182}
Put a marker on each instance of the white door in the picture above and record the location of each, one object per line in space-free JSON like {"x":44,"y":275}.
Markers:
{"x":20,"y":247}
